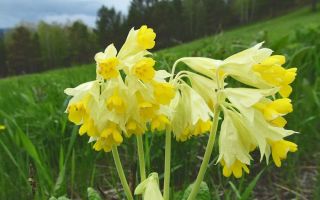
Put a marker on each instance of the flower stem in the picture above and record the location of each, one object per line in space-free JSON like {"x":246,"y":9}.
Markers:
{"x":142,"y":165}
{"x":207,"y":155}
{"x":166,"y":186}
{"x":122,"y":177}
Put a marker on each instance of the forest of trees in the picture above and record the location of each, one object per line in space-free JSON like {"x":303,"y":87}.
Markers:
{"x":34,"y":48}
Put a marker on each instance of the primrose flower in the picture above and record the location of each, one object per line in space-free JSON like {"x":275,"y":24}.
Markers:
{"x":252,"y":117}
{"x":243,"y":116}
{"x":113,"y":106}
{"x":149,"y":188}
{"x":2,"y":127}
{"x":272,"y":72}
{"x":254,"y":67}
{"x":192,"y":116}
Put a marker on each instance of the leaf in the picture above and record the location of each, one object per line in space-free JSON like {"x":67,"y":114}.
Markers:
{"x":234,"y":188}
{"x":61,"y":177}
{"x":92,"y":194}
{"x":203,"y":194}
{"x":248,"y":191}
{"x":30,"y":148}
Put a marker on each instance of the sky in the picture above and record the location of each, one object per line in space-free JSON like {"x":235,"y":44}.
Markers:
{"x":12,"y":12}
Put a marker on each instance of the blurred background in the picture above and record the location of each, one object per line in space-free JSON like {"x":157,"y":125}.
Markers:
{"x":47,"y":46}
{"x":42,"y":35}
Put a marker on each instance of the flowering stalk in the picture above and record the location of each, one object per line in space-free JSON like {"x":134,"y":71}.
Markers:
{"x":166,"y":186}
{"x":142,"y":165}
{"x":120,"y":171}
{"x":207,"y":154}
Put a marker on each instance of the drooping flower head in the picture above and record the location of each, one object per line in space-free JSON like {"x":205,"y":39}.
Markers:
{"x":253,"y":117}
{"x":127,"y":95}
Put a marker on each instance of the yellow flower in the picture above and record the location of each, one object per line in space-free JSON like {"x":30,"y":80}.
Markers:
{"x":271,"y":71}
{"x":202,"y":127}
{"x":133,"y":127}
{"x":205,"y":87}
{"x":279,"y":122}
{"x":149,"y":188}
{"x":163,"y":92}
{"x":238,"y":66}
{"x":76,"y":112}
{"x":110,"y":136}
{"x":146,"y":37}
{"x":235,"y":169}
{"x":144,"y":69}
{"x":280,"y":150}
{"x":184,"y":135}
{"x":103,"y":108}
{"x":235,"y":142}
{"x":115,"y":102}
{"x":245,"y":102}
{"x":2,"y":127}
{"x":88,"y":127}
{"x":147,"y":110}
{"x":274,"y":110}
{"x":108,"y":68}
{"x":159,"y":123}
{"x":199,"y":128}
{"x":190,"y":110}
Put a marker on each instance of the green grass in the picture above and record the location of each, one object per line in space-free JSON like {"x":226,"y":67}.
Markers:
{"x":275,"y":28}
{"x":39,"y":146}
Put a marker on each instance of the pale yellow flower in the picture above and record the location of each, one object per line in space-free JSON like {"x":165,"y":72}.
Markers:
{"x":149,"y":188}
{"x":191,"y":114}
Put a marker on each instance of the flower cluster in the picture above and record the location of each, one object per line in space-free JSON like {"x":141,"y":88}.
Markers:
{"x":127,"y":96}
{"x":253,"y":116}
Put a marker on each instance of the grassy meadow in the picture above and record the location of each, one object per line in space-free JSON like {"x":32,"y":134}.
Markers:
{"x":41,"y":154}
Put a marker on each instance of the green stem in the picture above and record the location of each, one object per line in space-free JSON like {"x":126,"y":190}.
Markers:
{"x":122,"y":177}
{"x":166,"y":186}
{"x":207,"y":155}
{"x":142,"y":165}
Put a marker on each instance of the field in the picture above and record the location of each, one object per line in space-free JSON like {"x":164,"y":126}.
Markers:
{"x":42,"y":155}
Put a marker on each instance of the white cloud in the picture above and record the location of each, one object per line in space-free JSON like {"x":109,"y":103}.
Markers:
{"x":14,"y":11}
{"x":65,"y":18}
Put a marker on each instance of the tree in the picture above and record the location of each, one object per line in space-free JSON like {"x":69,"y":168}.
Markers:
{"x":54,"y":43}
{"x":314,"y":5}
{"x":80,"y":43}
{"x":108,"y":27}
{"x":35,"y":61}
{"x":3,"y":66}
{"x":136,"y":15}
{"x":196,"y":21}
{"x":23,"y":51}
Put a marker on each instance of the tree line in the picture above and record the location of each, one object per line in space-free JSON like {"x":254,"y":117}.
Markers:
{"x":29,"y":48}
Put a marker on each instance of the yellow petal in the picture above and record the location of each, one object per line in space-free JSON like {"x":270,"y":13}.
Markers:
{"x":146,"y":37}
{"x":226,"y":171}
{"x":282,"y":106}
{"x":117,"y":137}
{"x":144,"y":69}
{"x":237,"y":171}
{"x":285,"y":90}
{"x":163,"y":92}
{"x":290,"y":75}
{"x":279,"y":122}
